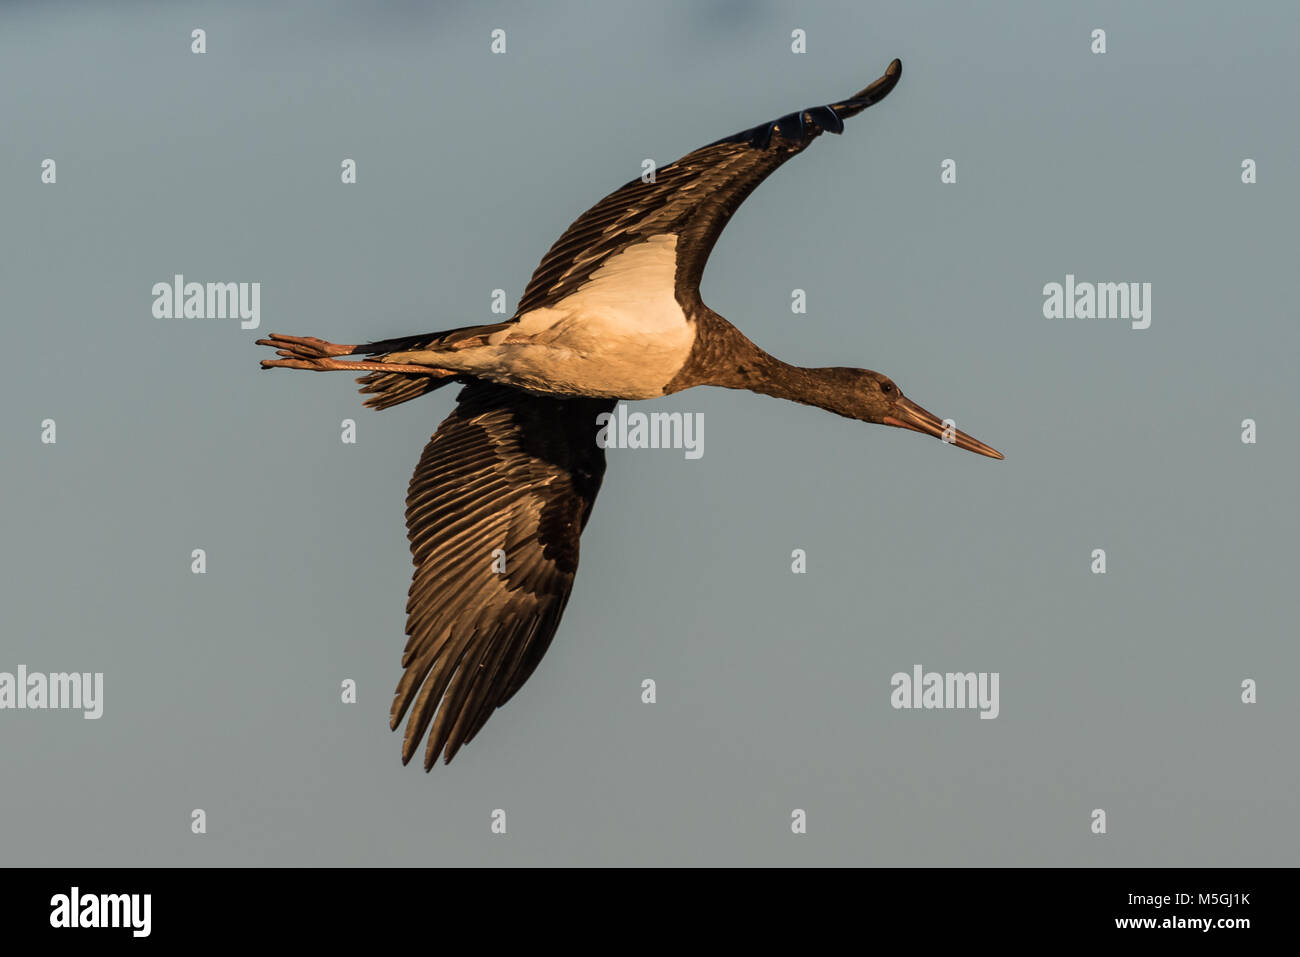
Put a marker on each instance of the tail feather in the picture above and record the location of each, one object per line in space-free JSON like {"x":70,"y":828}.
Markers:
{"x":387,"y":389}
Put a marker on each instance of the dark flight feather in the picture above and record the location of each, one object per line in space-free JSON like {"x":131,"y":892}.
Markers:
{"x":693,"y":198}
{"x":506,"y":470}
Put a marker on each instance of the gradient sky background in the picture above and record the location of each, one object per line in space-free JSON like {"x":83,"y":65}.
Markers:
{"x":1119,"y":692}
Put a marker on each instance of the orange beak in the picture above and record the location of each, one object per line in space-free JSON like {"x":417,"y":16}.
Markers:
{"x":909,"y":415}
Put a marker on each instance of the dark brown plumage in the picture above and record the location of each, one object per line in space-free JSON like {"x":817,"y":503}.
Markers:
{"x":512,"y":473}
{"x":693,"y":198}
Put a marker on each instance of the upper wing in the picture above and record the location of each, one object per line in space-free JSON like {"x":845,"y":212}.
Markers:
{"x":506,"y":470}
{"x":692,"y":198}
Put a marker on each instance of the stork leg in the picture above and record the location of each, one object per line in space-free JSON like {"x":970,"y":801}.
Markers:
{"x":343,"y":365}
{"x":317,"y":355}
{"x":305,"y":347}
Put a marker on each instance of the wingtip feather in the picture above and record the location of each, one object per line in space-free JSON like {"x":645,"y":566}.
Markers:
{"x":874,"y":93}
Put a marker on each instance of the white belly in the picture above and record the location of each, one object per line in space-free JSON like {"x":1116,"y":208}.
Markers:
{"x":622,"y":334}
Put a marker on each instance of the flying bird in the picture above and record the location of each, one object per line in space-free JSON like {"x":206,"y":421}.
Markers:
{"x":613,"y":312}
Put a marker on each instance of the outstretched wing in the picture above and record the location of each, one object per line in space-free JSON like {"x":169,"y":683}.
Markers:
{"x":692,"y":198}
{"x":507,"y":470}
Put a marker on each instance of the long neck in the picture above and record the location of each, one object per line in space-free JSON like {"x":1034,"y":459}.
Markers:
{"x":768,"y":375}
{"x":724,"y":357}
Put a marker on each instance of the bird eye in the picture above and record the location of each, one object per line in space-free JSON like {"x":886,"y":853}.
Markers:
{"x":887,"y":388}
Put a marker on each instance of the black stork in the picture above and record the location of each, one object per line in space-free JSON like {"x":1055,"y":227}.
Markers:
{"x":613,"y":312}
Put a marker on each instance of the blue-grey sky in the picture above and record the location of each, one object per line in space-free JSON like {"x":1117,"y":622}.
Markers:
{"x":1119,"y":691}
